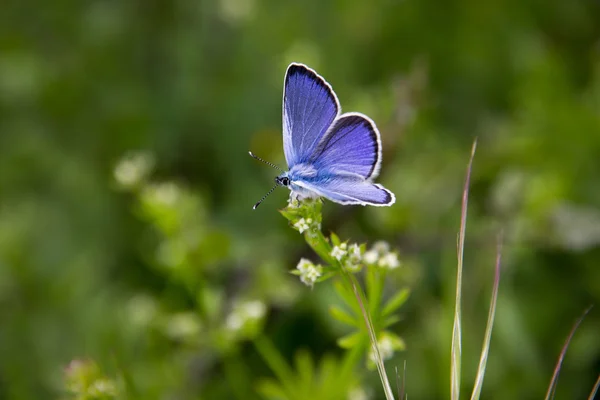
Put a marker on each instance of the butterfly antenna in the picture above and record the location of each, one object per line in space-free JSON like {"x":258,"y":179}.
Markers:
{"x":266,"y":162}
{"x":264,"y":197}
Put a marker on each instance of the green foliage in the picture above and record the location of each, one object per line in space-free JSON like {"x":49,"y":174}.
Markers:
{"x":108,"y":108}
{"x":323,"y":380}
{"x":343,"y":261}
{"x":85,"y":381}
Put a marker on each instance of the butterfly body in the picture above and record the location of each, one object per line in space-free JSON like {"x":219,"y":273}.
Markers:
{"x":329,"y":154}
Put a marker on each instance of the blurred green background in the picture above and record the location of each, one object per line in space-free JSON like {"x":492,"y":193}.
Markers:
{"x":126,"y":230}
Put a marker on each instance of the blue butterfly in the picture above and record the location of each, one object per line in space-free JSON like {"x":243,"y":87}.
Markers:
{"x":328,"y":154}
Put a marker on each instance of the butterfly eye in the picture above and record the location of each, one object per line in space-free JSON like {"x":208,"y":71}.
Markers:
{"x":282,"y":180}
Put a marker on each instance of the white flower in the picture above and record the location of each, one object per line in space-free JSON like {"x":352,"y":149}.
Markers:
{"x":234,"y":322}
{"x":254,"y":309}
{"x":354,"y":258}
{"x":381,"y":256}
{"x":309,"y":272}
{"x":245,"y":312}
{"x":303,"y":224}
{"x":339,"y":251}
{"x":381,"y":247}
{"x":133,"y":168}
{"x":183,"y":325}
{"x":389,"y":261}
{"x":371,"y":257}
{"x":354,"y":252}
{"x":386,"y":349}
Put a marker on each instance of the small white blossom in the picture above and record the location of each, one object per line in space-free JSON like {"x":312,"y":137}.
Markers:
{"x":234,"y":322}
{"x":183,"y":325}
{"x":245,"y":312}
{"x":303,"y":224}
{"x":354,"y":252}
{"x":381,"y":247}
{"x":309,"y":272}
{"x":339,"y":251}
{"x":380,"y":255}
{"x":389,"y":261}
{"x":354,"y":258}
{"x":133,"y":168}
{"x":371,"y":257}
{"x":254,"y":309}
{"x":386,"y":349}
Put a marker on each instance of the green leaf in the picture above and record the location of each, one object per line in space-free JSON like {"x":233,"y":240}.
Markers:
{"x":326,"y":275}
{"x":395,"y":302}
{"x":343,"y":316}
{"x":350,"y":340}
{"x":291,"y":214}
{"x":271,"y":389}
{"x":335,"y":240}
{"x":374,"y":286}
{"x":347,"y":296}
{"x":389,"y":321}
{"x":305,"y":367}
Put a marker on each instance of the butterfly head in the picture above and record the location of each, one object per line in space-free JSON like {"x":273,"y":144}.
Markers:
{"x":283,"y":180}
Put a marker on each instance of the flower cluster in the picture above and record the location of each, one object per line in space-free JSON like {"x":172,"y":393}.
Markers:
{"x":245,"y":313}
{"x":85,"y":380}
{"x":350,"y":256}
{"x":308,"y":272}
{"x":381,"y":256}
{"x":304,"y":224}
{"x":339,"y":252}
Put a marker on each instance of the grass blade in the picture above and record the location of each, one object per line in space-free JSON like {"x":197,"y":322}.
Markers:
{"x":490,"y":322}
{"x":552,"y":387}
{"x":595,"y":389}
{"x":456,"y":331}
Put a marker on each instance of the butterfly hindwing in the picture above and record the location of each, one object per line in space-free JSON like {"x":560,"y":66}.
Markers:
{"x":309,"y":108}
{"x":350,"y":189}
{"x":352,"y":146}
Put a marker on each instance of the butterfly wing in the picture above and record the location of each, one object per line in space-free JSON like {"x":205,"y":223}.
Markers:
{"x":350,"y":189}
{"x":351,"y":146}
{"x":309,"y":108}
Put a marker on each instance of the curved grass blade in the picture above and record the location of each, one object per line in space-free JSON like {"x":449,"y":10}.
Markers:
{"x":456,"y":331}
{"x":490,"y":322}
{"x":595,"y":389}
{"x":561,"y":357}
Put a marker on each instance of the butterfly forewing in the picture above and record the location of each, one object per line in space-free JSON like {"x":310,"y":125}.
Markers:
{"x":309,"y":109}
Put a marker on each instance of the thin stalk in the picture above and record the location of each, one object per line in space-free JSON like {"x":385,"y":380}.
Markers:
{"x":456,"y":330}
{"x":561,"y":357}
{"x":490,"y":323}
{"x":595,"y":389}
